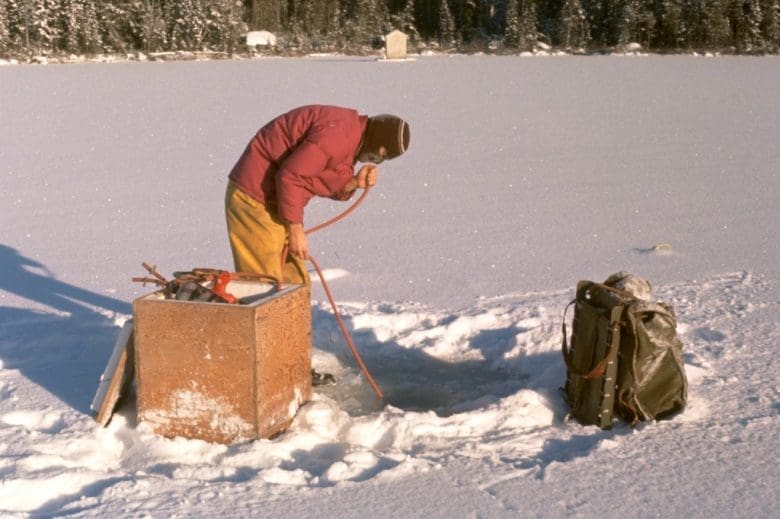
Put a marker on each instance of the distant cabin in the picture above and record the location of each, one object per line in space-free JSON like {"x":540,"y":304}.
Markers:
{"x":260,"y":39}
{"x":395,"y":45}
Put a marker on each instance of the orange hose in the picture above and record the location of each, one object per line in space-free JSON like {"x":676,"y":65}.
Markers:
{"x":336,"y":312}
{"x":341,"y":216}
{"x":345,"y":332}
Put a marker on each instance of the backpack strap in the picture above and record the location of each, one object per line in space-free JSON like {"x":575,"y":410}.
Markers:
{"x":599,"y":369}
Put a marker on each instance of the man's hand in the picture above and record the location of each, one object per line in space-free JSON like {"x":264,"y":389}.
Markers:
{"x":297,"y":243}
{"x":366,"y":177}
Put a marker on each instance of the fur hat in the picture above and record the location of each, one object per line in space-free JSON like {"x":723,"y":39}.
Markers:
{"x":389,"y":131}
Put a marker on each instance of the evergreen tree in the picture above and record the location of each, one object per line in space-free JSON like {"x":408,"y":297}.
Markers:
{"x":267,"y":15}
{"x":373,"y":17}
{"x":16,"y":25}
{"x":636,"y":23}
{"x":646,"y":18}
{"x":671,"y":30}
{"x":369,"y":21}
{"x":529,"y":31}
{"x":114,"y":28}
{"x":406,"y":23}
{"x":738,"y":24}
{"x":314,"y":21}
{"x":694,"y":14}
{"x":575,"y":32}
{"x":427,"y":18}
{"x":80,"y":27}
{"x":5,"y":43}
{"x":512,"y":25}
{"x":187,"y":25}
{"x":447,"y":31}
{"x":476,"y":19}
{"x":753,"y":17}
{"x":225,"y":26}
{"x":302,"y":12}
{"x":745,"y":18}
{"x":770,"y":26}
{"x":148,"y":25}
{"x":627,"y":24}
{"x":601,"y":22}
{"x":72,"y":13}
{"x":466,"y":16}
{"x":324,"y":19}
{"x":40,"y":25}
{"x":715,"y":24}
{"x":91,"y":39}
{"x":335,"y":25}
{"x":492,"y":11}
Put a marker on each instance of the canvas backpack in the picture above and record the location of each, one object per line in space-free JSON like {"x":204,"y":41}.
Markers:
{"x":625,"y":359}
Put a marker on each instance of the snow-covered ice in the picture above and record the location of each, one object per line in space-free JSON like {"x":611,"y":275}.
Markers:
{"x":524,"y":175}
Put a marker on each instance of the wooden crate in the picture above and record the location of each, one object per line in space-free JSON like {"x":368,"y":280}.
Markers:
{"x":223,"y":373}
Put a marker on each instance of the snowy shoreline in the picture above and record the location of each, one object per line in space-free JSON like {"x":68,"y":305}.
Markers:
{"x":176,"y":56}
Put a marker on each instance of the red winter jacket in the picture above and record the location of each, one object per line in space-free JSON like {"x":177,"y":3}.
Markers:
{"x":305,"y":152}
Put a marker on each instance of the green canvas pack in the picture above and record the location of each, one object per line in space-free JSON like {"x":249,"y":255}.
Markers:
{"x":625,"y":359}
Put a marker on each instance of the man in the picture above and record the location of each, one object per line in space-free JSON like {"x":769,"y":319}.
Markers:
{"x":309,"y":151}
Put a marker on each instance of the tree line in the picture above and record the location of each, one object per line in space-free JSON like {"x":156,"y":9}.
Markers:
{"x":41,"y":27}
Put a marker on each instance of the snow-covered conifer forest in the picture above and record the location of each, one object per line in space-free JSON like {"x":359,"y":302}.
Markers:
{"x":121,"y":27}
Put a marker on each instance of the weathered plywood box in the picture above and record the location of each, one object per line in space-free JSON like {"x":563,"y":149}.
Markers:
{"x":219,"y":372}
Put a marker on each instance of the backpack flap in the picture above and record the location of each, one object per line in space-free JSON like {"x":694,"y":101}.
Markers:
{"x":651,"y":379}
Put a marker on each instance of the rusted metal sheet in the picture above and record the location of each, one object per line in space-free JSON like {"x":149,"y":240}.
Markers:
{"x":223,"y":373}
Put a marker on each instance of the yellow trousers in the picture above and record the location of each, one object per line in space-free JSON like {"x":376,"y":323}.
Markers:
{"x":257,"y":239}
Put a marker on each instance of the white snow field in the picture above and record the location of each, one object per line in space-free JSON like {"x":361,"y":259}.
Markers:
{"x":524,"y":175}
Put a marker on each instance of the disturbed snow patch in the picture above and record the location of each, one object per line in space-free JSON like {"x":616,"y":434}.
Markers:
{"x":481,"y":383}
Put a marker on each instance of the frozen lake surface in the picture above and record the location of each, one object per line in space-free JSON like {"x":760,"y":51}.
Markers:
{"x":524,"y":175}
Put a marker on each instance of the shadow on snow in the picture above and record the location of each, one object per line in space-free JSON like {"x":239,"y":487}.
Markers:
{"x":63,"y":351}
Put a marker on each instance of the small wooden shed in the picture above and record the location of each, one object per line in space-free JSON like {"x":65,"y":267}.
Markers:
{"x":395,"y":45}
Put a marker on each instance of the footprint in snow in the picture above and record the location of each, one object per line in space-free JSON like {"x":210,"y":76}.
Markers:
{"x":709,"y":335}
{"x":6,"y":390}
